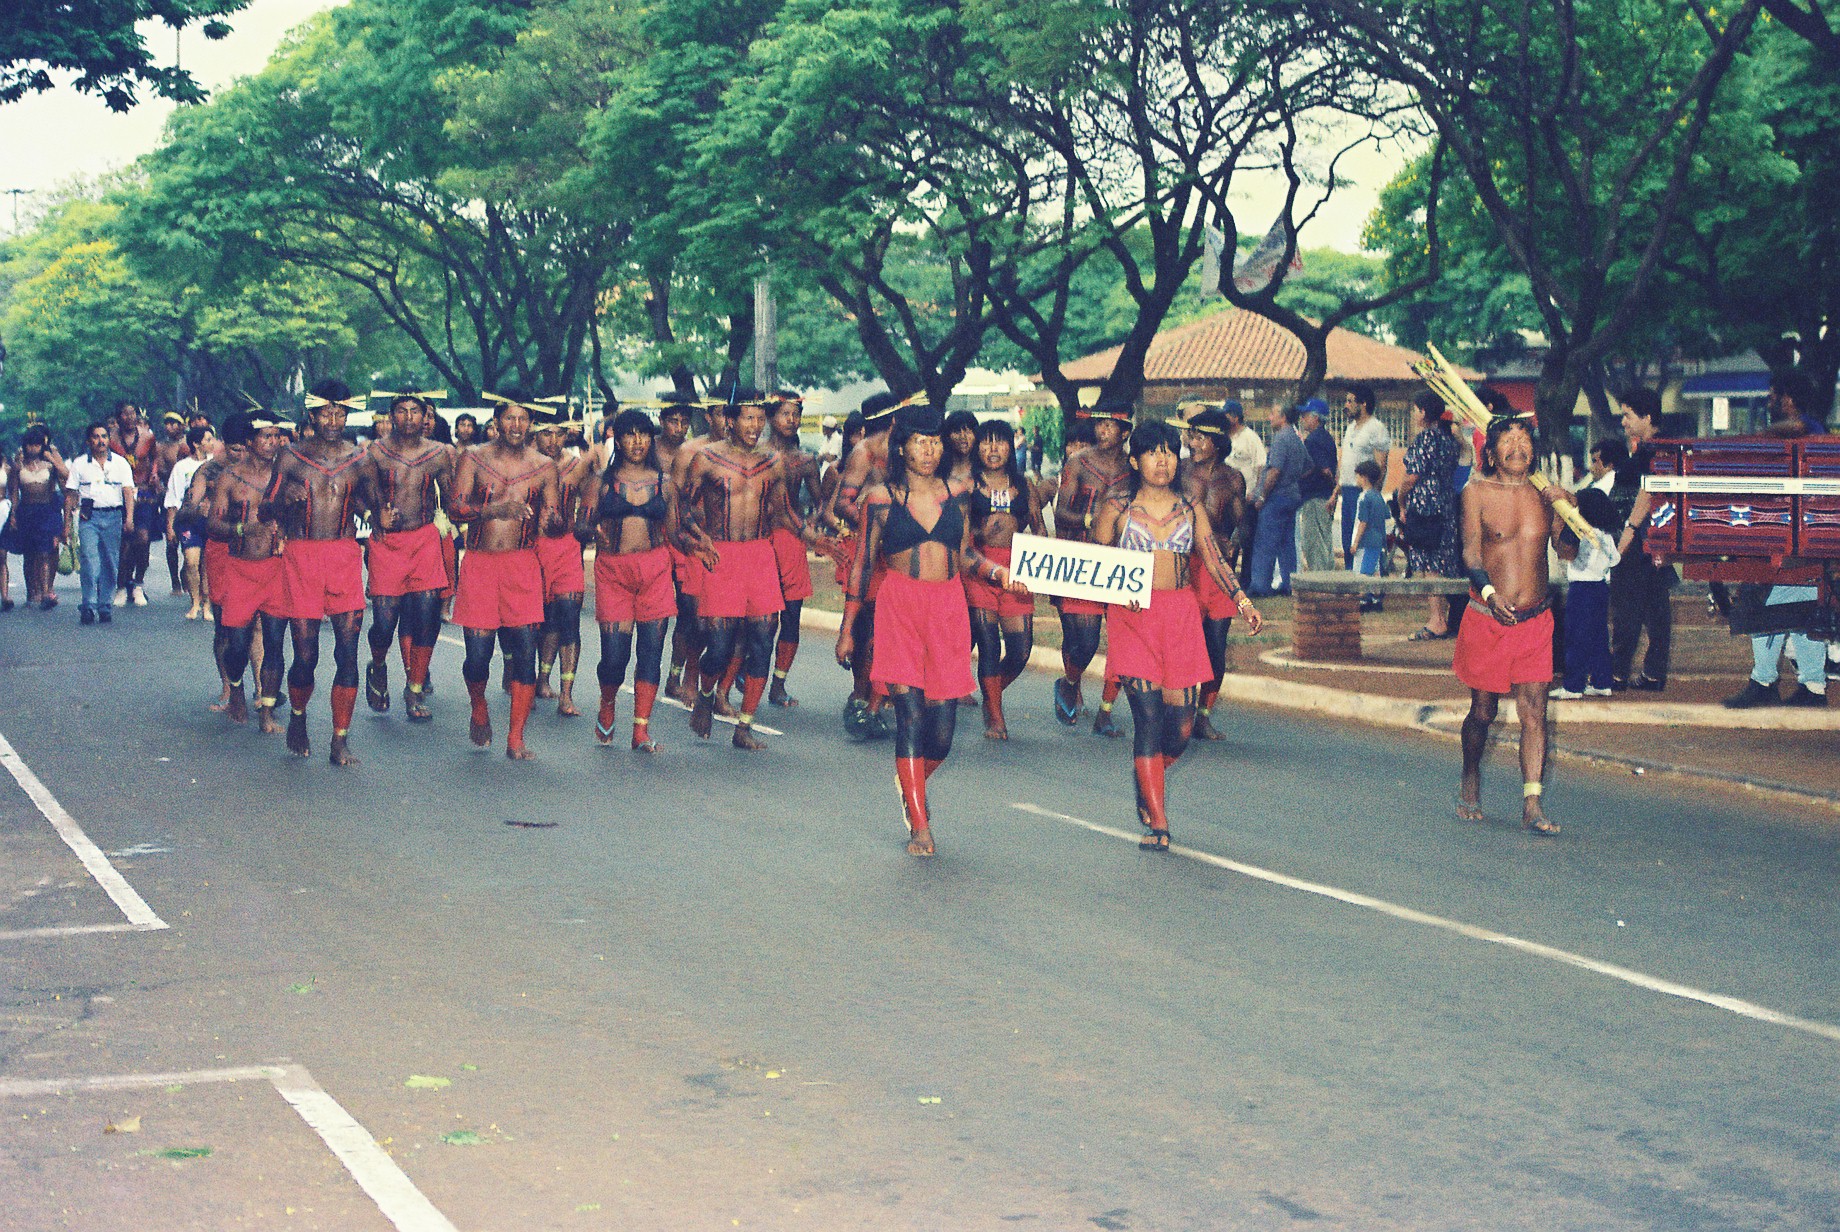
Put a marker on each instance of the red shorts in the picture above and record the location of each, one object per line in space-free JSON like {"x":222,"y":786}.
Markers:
{"x":407,"y":561}
{"x":635,"y":587}
{"x":1078,"y":607}
{"x":499,"y":590}
{"x":216,"y":552}
{"x":794,"y":569}
{"x":1161,"y":644}
{"x":690,"y":573}
{"x":1494,"y":657}
{"x":324,"y":577}
{"x":246,"y":588}
{"x":559,"y":556}
{"x":1215,"y":605}
{"x":745,"y":583}
{"x":986,"y":596}
{"x":923,"y":637}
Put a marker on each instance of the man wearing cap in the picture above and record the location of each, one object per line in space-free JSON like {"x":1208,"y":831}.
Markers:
{"x":735,"y":493}
{"x":1091,"y":478}
{"x":167,"y":455}
{"x":319,"y":488}
{"x":831,"y":448}
{"x":408,"y":569}
{"x":787,"y":412}
{"x":1315,"y":527}
{"x":1220,"y":491}
{"x":249,"y":582}
{"x":504,"y":493}
{"x":1277,"y":498}
{"x":565,"y":581}
{"x":867,"y":465}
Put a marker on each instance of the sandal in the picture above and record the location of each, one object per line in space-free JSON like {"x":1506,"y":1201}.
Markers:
{"x":1156,"y":840}
{"x":415,"y":705}
{"x":1066,"y":702}
{"x":377,"y":687}
{"x":1425,"y":634}
{"x":1466,"y":811}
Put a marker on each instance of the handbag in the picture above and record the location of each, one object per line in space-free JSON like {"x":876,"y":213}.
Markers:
{"x":67,"y":558}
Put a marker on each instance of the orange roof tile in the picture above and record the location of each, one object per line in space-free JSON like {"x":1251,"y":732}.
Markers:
{"x":1235,"y":345}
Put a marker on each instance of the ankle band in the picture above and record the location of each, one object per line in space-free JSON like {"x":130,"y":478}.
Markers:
{"x":1530,"y":790}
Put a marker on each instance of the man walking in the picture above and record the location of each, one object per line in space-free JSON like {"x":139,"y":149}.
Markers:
{"x":99,"y":499}
{"x":1278,"y":496}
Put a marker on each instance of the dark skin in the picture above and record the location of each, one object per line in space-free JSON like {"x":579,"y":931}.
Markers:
{"x":802,"y":490}
{"x":1012,"y":511}
{"x":571,"y":473}
{"x":1091,"y":477}
{"x":676,"y":459}
{"x":37,"y":478}
{"x":198,"y":505}
{"x":1219,"y":491}
{"x":320,"y":486}
{"x":236,"y":513}
{"x":1507,"y":524}
{"x":408,"y":473}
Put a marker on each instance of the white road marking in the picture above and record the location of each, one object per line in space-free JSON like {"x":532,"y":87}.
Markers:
{"x":140,"y":916}
{"x":72,"y":930}
{"x":370,"y":1165}
{"x":762,"y":728}
{"x":1734,"y":1005}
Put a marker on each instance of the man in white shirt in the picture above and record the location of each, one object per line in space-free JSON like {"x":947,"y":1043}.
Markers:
{"x":1364,"y":439}
{"x":100,"y":492}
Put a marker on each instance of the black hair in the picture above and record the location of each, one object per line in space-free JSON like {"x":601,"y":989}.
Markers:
{"x":1493,"y":399}
{"x":466,"y":417}
{"x":239,"y":428}
{"x":1599,"y":510}
{"x":1646,"y":403}
{"x":35,"y":434}
{"x":195,"y":436}
{"x":1613,"y":452}
{"x":1081,"y":433}
{"x":788,"y":395}
{"x":124,"y":405}
{"x":441,"y":431}
{"x":1796,"y":387}
{"x":1498,"y":428}
{"x":960,"y":419}
{"x":999,"y":430}
{"x":625,"y":424}
{"x":331,"y":389}
{"x":89,"y":431}
{"x":1363,"y":396}
{"x":1292,"y":414}
{"x":910,"y":422}
{"x":419,"y":403}
{"x":517,"y":397}
{"x":878,"y":402}
{"x":1150,"y":436}
{"x":1370,"y":471}
{"x":1210,"y":422}
{"x":1430,"y":405}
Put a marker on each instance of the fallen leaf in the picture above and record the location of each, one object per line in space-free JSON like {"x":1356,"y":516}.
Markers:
{"x":302,"y":990}
{"x":186,"y":1152}
{"x":589,"y":1206}
{"x":471,"y":1069}
{"x":462,"y":1137}
{"x":772,"y":1073}
{"x":424,"y":1082}
{"x":929,"y":1099}
{"x":127,"y":1125}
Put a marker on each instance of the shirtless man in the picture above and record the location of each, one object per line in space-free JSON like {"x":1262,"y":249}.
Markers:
{"x":565,"y":582}
{"x":687,"y":647}
{"x":170,"y":451}
{"x":504,"y":493}
{"x":1092,"y":476}
{"x":320,"y":486}
{"x":735,"y":493}
{"x":1220,"y":491}
{"x":1505,"y":643}
{"x":866,"y":467}
{"x":787,"y":412}
{"x":249,"y":580}
{"x":408,"y":570}
{"x":130,"y":438}
{"x":197,"y":509}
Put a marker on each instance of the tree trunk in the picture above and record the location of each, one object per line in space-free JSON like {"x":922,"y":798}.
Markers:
{"x":1555,"y":396}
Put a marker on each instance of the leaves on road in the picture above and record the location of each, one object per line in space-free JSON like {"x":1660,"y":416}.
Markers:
{"x":127,"y":1125}
{"x":427,"y":1082}
{"x":186,"y":1152}
{"x":462,"y":1137}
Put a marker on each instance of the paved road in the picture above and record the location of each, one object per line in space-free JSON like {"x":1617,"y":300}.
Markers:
{"x":717,"y":994}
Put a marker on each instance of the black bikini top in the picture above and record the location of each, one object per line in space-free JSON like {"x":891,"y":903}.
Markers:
{"x":985,"y":502}
{"x":903,"y":532}
{"x":614,"y":506}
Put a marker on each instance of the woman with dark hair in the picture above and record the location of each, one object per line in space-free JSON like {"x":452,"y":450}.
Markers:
{"x":36,"y":488}
{"x":628,"y":512}
{"x":915,"y":522}
{"x":1158,"y":651}
{"x":961,"y":438}
{"x":1428,"y":509}
{"x":1002,"y":620}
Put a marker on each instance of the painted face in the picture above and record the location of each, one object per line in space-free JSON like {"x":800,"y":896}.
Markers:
{"x":266,"y":445}
{"x":993,"y":453}
{"x":406,"y":418}
{"x":513,"y":424}
{"x":718,"y":418}
{"x":921,"y":454}
{"x":634,"y":446}
{"x":128,"y":418}
{"x":1158,"y":467}
{"x":1108,"y":433}
{"x":1201,"y":446}
{"x":786,"y":417}
{"x":174,"y":429}
{"x":329,"y":421}
{"x":749,"y":422}
{"x":674,"y":426}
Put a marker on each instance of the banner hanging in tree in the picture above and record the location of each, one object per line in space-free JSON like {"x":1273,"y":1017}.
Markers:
{"x":1081,"y":570}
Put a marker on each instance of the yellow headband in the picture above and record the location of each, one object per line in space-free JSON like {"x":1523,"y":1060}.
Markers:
{"x":420,"y":395}
{"x":314,"y":401}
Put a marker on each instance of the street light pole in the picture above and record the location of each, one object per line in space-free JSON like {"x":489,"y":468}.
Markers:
{"x":16,"y":194}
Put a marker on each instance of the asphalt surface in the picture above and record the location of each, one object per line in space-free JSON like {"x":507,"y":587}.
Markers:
{"x":716,"y":993}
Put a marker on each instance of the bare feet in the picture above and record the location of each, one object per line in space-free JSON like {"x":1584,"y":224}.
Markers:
{"x":777,"y":695}
{"x":996,"y":733}
{"x":725,"y":708}
{"x":565,"y":706}
{"x":223,"y":700}
{"x":920,"y":843}
{"x":746,"y":739}
{"x":265,"y":720}
{"x":1105,"y":725}
{"x":238,"y":709}
{"x":480,"y":733}
{"x":543,"y":689}
{"x":341,"y":755}
{"x":1468,"y":808}
{"x":517,"y":752}
{"x":702,"y":716}
{"x":297,"y":735}
{"x":1535,"y":819}
{"x":1204,"y":728}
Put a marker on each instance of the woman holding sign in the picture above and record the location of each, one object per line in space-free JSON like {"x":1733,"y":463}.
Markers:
{"x":915,"y":524}
{"x":1002,"y":620}
{"x":1159,"y":652}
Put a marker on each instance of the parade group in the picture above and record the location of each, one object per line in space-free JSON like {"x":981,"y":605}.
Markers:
{"x":279,"y":529}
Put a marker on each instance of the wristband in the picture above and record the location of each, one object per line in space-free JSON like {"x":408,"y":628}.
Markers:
{"x":1479,"y":581}
{"x":1486,"y":593}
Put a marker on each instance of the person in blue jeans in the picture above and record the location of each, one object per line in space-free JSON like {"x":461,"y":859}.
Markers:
{"x":1274,"y":541}
{"x":1766,"y":661}
{"x":1588,"y":663}
{"x":100,"y":492}
{"x":1368,"y":537}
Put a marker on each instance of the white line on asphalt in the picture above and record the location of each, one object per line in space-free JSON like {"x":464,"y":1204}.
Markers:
{"x":762,"y":728}
{"x":1652,"y":983}
{"x":132,"y":905}
{"x":73,"y":930}
{"x":370,"y":1165}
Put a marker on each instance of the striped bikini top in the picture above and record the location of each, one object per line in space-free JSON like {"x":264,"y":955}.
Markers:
{"x":1134,"y":537}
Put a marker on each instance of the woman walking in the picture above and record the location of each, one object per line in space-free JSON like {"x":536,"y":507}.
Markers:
{"x":1428,"y":508}
{"x":1002,"y":621}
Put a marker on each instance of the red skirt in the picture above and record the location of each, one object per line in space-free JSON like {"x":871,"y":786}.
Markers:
{"x":794,"y":568}
{"x":499,"y":590}
{"x":559,"y":557}
{"x":405,"y":562}
{"x":923,"y":637}
{"x":1078,"y":607}
{"x":1215,"y":604}
{"x":745,"y":582}
{"x":246,"y":588}
{"x":987,"y":596}
{"x":689,"y":572}
{"x":635,"y":587}
{"x":1161,"y":644}
{"x":216,"y":552}
{"x":1493,"y":657}
{"x":324,"y":577}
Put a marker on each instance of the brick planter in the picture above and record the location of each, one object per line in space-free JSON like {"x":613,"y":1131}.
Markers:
{"x":1328,"y":627}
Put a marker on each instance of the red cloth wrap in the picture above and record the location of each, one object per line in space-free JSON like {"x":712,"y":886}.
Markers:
{"x":690,"y":572}
{"x":559,"y":557}
{"x":1215,"y":604}
{"x":216,"y":552}
{"x":324,"y":577}
{"x":744,"y":583}
{"x":987,"y":596}
{"x":1078,"y":607}
{"x":450,"y":561}
{"x":1494,"y":657}
{"x":247,"y":587}
{"x":794,"y":569}
{"x":635,"y":587}
{"x":923,"y":637}
{"x":407,"y":561}
{"x":499,"y":590}
{"x":1161,"y":644}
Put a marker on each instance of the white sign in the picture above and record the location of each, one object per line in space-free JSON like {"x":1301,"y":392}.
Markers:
{"x":1081,"y":570}
{"x":1721,"y":414}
